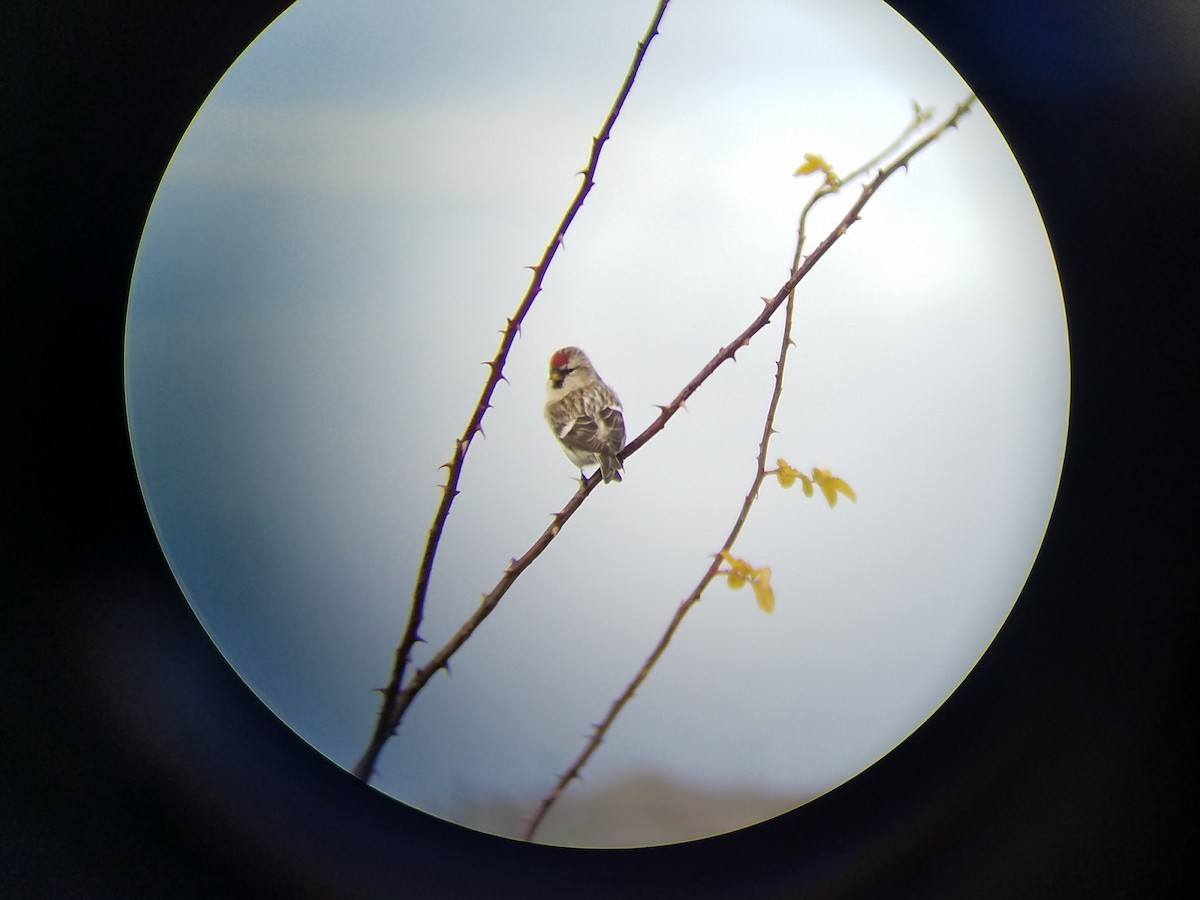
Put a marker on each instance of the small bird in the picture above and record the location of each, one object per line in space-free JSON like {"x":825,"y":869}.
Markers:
{"x":584,"y":413}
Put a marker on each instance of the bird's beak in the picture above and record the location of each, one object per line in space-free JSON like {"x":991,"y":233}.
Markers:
{"x":556,"y":375}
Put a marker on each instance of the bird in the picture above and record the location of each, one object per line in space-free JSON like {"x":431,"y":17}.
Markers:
{"x":584,"y":413}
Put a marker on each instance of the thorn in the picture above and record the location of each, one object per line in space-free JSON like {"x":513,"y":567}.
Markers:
{"x":560,"y":240}
{"x":418,"y":640}
{"x":446,"y":666}
{"x":503,"y":378}
{"x":767,"y":301}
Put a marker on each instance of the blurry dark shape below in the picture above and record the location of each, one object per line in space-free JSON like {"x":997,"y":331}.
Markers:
{"x":638,"y":809}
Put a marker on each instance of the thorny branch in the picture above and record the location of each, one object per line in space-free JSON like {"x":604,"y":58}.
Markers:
{"x":393,"y":704}
{"x":787,"y":294}
{"x":400,"y":699}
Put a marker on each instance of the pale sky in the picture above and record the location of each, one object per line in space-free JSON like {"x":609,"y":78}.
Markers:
{"x":332,"y":252}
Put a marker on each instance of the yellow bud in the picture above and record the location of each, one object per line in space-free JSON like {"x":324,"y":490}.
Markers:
{"x":763,"y":592}
{"x":812,"y":163}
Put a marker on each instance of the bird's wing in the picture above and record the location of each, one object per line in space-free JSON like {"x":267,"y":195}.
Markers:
{"x":614,"y":422}
{"x":603,"y":434}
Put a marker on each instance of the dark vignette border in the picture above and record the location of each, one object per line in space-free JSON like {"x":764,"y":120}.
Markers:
{"x":136,"y":763}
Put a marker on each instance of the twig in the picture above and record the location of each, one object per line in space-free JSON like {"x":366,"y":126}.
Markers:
{"x":401,"y":699}
{"x":600,"y":730}
{"x":920,"y":117}
{"x":390,"y":713}
{"x":771,"y":304}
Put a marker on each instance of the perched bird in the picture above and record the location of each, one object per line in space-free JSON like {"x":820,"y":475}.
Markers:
{"x":584,"y":413}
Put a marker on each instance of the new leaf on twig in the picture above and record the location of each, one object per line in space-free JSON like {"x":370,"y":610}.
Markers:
{"x":830,"y":485}
{"x":740,"y":572}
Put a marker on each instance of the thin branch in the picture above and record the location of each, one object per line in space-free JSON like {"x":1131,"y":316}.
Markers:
{"x":401,"y":699}
{"x":773,"y":303}
{"x":920,"y":117}
{"x":600,"y":730}
{"x":389,"y":714}
{"x":441,"y":659}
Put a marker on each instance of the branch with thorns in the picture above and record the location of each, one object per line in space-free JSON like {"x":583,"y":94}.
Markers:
{"x":397,"y":699}
{"x":738,"y":571}
{"x":394,"y":700}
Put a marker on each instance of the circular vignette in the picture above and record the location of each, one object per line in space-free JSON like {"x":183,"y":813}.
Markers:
{"x":337,"y":239}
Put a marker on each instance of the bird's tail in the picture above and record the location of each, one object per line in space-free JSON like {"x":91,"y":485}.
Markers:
{"x":610,"y":468}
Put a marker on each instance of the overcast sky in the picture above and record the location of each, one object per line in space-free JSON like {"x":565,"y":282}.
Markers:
{"x":338,"y":241}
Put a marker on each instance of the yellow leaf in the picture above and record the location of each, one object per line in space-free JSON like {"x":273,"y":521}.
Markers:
{"x":736,"y":581}
{"x":816,"y":163}
{"x":808,"y":489}
{"x":812,"y":163}
{"x":831,"y":486}
{"x":843,"y":488}
{"x":762,"y":591}
{"x":786,"y":473}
